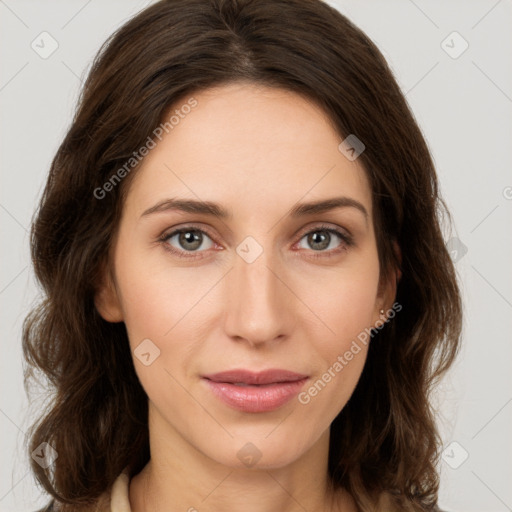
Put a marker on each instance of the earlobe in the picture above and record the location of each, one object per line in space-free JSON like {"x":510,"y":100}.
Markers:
{"x":107,"y":301}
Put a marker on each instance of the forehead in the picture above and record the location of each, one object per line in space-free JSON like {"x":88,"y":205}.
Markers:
{"x":246,"y":145}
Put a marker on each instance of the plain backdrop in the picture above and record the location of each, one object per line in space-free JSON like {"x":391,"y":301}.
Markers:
{"x":453,"y":62}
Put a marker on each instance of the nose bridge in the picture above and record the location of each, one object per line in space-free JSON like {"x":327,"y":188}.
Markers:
{"x":258,"y":308}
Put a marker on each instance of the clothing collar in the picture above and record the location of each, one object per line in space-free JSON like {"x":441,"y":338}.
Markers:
{"x":119,"y":495}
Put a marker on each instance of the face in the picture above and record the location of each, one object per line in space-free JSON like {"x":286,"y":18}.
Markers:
{"x":269,"y":285}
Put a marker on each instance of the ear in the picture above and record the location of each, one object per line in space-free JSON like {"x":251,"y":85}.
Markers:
{"x":387,"y":290}
{"x":106,"y":298}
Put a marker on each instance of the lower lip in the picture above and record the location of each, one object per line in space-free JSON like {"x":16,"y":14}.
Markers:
{"x":256,"y":398}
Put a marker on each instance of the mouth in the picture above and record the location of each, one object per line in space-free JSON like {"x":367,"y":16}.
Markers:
{"x":255,"y":392}
{"x":250,"y":378}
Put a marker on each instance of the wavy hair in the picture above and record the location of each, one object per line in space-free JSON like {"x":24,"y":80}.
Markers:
{"x":385,"y":439}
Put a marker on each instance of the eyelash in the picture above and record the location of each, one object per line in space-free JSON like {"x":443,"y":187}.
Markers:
{"x":347,"y":242}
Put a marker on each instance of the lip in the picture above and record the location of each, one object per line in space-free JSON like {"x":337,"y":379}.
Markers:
{"x":262,"y":392}
{"x":271,"y":376}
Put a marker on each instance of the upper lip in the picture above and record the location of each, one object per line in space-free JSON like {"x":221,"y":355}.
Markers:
{"x":249,"y":377}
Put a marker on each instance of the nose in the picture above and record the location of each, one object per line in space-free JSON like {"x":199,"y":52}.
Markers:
{"x":260,"y":305}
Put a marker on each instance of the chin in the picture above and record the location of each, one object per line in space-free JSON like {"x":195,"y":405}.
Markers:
{"x":255,"y":453}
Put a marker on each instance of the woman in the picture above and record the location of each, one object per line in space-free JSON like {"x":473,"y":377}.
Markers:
{"x":247,"y":296}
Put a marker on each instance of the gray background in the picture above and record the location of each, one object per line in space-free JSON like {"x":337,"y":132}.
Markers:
{"x":463,"y":106}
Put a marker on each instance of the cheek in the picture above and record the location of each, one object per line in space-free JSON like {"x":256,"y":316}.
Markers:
{"x":329,"y":391}
{"x":344,"y":299}
{"x":345,"y":302}
{"x":348,"y":312}
{"x":147,"y":313}
{"x":156,"y":298}
{"x":156,"y":308}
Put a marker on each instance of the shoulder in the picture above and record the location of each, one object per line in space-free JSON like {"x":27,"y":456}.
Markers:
{"x":114,"y":500}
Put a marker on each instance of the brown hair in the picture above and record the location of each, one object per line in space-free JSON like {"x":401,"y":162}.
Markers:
{"x":385,"y":438}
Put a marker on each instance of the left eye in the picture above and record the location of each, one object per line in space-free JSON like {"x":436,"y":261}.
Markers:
{"x":322,"y":239}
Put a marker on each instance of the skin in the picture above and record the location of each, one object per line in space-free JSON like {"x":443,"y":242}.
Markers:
{"x":256,"y":151}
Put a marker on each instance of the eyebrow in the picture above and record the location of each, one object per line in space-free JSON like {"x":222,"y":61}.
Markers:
{"x":215,"y":210}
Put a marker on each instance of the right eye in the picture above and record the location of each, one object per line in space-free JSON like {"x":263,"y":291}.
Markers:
{"x":187,"y":240}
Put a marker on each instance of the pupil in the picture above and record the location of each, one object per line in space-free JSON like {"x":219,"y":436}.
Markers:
{"x":190,"y":237}
{"x":319,"y":237}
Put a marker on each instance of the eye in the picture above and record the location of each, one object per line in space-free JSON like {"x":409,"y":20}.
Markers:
{"x":326,"y":239}
{"x":187,"y":240}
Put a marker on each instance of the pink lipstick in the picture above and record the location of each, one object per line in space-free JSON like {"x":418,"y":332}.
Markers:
{"x":255,"y":392}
